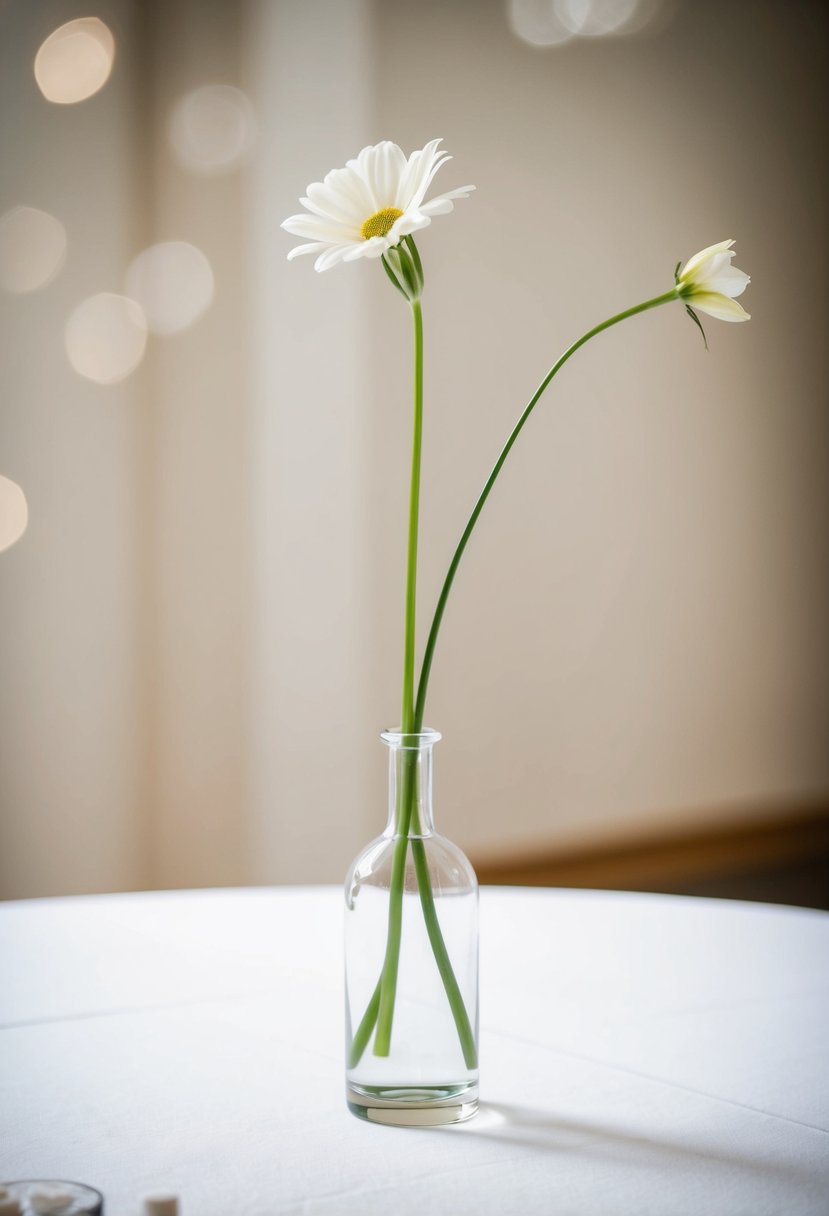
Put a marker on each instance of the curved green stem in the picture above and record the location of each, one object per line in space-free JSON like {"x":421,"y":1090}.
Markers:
{"x":386,"y":985}
{"x":428,"y":654}
{"x":381,"y":1006}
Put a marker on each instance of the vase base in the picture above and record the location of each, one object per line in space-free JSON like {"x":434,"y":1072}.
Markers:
{"x":413,"y":1105}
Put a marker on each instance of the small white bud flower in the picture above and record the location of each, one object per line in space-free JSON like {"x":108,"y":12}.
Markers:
{"x":710,"y":283}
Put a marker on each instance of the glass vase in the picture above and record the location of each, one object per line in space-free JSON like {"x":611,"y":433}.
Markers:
{"x":411,"y":959}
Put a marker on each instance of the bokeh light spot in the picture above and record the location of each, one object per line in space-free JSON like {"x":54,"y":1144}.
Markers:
{"x":213,"y":129}
{"x":537,"y":23}
{"x":173,"y":283}
{"x":14,"y":513}
{"x":547,"y":23}
{"x":75,"y":61}
{"x":32,"y":249}
{"x":595,"y":18}
{"x":106,"y":337}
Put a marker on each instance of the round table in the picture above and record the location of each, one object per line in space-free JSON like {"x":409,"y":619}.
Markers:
{"x":639,"y":1054}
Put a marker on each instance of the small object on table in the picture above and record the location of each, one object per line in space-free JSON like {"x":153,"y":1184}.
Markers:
{"x":49,"y":1197}
{"x":49,"y":1200}
{"x":165,"y":1204}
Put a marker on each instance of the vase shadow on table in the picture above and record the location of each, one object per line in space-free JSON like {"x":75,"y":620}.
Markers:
{"x":551,"y":1133}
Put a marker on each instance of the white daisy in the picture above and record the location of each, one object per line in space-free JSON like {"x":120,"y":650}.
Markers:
{"x":710,"y":283}
{"x":366,"y":208}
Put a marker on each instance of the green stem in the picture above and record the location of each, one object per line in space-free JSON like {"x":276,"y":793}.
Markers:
{"x":421,"y":866}
{"x":450,"y":983}
{"x":406,"y":803}
{"x":414,"y":514}
{"x":406,"y":792}
{"x":429,"y":651}
{"x":363,"y":1034}
{"x":381,"y":1005}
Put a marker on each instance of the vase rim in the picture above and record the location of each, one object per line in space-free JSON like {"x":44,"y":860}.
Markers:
{"x":410,"y":740}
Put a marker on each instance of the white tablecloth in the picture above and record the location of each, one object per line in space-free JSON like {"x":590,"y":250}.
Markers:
{"x":639,"y":1054}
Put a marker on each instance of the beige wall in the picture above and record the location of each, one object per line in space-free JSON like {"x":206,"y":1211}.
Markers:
{"x":198,"y":532}
{"x":72,"y":720}
{"x":636,"y":635}
{"x":202,"y":627}
{"x":314,"y":719}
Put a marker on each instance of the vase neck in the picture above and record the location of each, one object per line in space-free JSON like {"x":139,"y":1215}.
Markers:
{"x":410,"y":782}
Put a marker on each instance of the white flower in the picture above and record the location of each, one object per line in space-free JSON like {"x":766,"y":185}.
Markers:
{"x":710,"y":283}
{"x":366,"y":208}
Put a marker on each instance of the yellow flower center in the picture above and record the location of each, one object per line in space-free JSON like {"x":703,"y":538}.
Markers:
{"x":380,"y":223}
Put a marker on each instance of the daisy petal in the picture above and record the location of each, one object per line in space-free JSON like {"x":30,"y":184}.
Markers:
{"x":442,"y":204}
{"x":421,"y":191}
{"x":315,"y":229}
{"x":363,"y":167}
{"x":379,"y":185}
{"x":413,"y":181}
{"x":383,"y":169}
{"x":349,"y":185}
{"x":313,"y":247}
{"x":375,"y":247}
{"x":412,"y":221}
{"x":333,"y":255}
{"x":331,"y":206}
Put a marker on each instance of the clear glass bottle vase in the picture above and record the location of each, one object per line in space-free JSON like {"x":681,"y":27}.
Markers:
{"x":411,"y":959}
